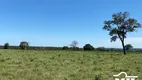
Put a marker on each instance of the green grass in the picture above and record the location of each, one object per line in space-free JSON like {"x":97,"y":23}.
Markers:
{"x":67,"y":65}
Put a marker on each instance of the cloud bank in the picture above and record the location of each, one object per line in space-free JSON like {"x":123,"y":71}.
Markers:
{"x":135,"y":41}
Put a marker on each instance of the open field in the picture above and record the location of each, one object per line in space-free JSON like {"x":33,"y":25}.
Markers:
{"x":67,"y":65}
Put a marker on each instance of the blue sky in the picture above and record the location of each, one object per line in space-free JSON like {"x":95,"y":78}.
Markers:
{"x":59,"y":22}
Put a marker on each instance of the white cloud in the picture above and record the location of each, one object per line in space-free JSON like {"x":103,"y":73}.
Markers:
{"x":135,"y":41}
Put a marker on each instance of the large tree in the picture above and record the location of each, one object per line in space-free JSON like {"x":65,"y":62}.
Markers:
{"x":120,"y":25}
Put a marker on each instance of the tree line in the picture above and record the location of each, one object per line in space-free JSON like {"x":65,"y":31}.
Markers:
{"x":24,"y":45}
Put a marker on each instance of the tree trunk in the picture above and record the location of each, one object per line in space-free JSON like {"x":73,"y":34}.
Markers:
{"x":124,"y":51}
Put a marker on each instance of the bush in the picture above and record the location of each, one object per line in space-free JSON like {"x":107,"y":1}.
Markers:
{"x":75,"y":48}
{"x":24,"y":45}
{"x":6,"y":45}
{"x":128,"y":47}
{"x":101,"y":48}
{"x":88,"y":47}
{"x":65,"y":47}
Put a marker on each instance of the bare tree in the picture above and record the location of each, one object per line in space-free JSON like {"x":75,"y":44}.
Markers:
{"x":74,"y":44}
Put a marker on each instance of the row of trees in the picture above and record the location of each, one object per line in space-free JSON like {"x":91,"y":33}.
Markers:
{"x":24,"y":45}
{"x":90,"y":47}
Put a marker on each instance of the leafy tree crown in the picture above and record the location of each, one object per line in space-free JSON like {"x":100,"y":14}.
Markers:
{"x":120,"y":25}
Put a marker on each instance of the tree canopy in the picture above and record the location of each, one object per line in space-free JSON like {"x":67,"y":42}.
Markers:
{"x":24,"y":45}
{"x":120,"y":25}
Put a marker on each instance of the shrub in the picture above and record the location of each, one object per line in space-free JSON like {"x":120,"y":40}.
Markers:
{"x":24,"y":45}
{"x":88,"y":47}
{"x":128,"y":46}
{"x":101,"y":48}
{"x":6,"y":45}
{"x":65,"y":47}
{"x":75,"y":48}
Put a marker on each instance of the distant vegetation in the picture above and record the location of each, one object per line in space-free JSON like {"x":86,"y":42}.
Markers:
{"x":128,"y":46}
{"x":69,"y":48}
{"x":24,"y":45}
{"x":101,"y":48}
{"x":88,"y":47}
{"x":65,"y":48}
{"x":6,"y":45}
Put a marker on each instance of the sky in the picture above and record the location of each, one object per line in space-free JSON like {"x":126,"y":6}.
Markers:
{"x":59,"y":22}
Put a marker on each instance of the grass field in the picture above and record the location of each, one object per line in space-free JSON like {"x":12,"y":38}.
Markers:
{"x":67,"y":65}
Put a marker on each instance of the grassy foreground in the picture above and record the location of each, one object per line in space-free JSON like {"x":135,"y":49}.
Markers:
{"x":67,"y":65}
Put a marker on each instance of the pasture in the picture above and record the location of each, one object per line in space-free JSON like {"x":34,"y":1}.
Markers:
{"x":67,"y":64}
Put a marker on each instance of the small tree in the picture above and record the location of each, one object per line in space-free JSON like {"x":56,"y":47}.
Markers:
{"x":24,"y":45}
{"x":128,"y":46}
{"x":88,"y":47}
{"x":6,"y":45}
{"x":120,"y":25}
